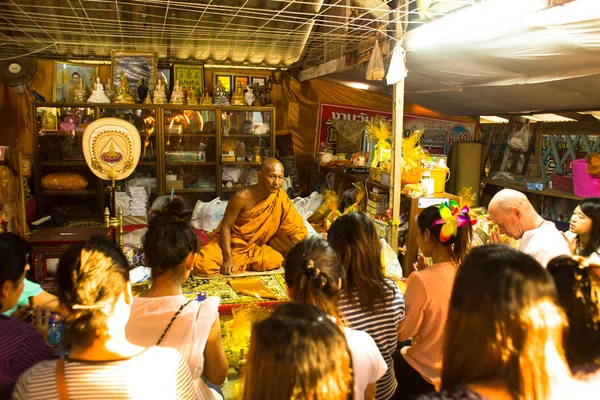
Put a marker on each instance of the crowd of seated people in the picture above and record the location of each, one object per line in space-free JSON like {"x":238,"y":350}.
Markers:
{"x":481,"y":323}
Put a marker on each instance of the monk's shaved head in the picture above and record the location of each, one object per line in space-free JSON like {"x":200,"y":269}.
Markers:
{"x":269,"y":164}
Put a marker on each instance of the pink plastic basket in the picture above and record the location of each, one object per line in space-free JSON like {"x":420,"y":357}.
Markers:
{"x":584,"y":184}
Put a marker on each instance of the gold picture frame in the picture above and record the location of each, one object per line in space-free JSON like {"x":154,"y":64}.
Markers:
{"x":63,"y":86}
{"x":136,"y":65}
{"x":225,"y":80}
{"x":187,"y":74}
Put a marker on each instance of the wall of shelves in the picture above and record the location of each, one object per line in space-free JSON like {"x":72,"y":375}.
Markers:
{"x":183,"y":148}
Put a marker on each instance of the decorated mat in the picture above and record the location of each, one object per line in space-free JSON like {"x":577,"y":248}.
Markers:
{"x":219,"y":286}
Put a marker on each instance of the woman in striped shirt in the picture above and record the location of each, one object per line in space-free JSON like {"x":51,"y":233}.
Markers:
{"x":93,"y":283}
{"x":369,"y":302}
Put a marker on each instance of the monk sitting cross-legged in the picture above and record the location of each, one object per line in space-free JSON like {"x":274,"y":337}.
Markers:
{"x":260,"y":224}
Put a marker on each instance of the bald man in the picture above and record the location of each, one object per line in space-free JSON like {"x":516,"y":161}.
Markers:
{"x":259,"y":226}
{"x":517,"y":218}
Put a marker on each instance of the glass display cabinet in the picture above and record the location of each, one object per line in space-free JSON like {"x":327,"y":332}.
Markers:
{"x":64,"y":185}
{"x":247,"y":137}
{"x":196,"y":152}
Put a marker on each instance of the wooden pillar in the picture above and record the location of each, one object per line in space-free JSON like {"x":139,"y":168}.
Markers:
{"x":397,"y":130}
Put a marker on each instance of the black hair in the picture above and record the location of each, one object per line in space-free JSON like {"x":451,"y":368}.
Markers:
{"x":577,"y":290}
{"x":460,"y":244}
{"x":591,"y":208}
{"x":91,"y":276}
{"x":18,"y":241}
{"x":12,"y":263}
{"x":313,"y":272}
{"x":170,"y":238}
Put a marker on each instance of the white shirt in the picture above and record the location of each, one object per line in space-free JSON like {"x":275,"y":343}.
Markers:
{"x":544,"y":243}
{"x":367,"y":362}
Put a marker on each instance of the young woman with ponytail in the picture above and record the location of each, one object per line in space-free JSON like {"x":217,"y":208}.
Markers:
{"x":445,"y":237}
{"x":313,"y":274}
{"x":164,"y":316}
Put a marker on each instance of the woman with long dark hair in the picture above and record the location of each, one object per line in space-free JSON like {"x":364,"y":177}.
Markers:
{"x":298,"y":353}
{"x":504,"y":331}
{"x":369,"y":302}
{"x":444,"y":235}
{"x":584,"y":228}
{"x":314,"y":274}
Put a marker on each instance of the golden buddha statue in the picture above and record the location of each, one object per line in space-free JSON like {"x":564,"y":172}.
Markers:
{"x":237,"y":98}
{"x":124,"y":91}
{"x":191,"y":98}
{"x":148,"y":99}
{"x":206,"y":99}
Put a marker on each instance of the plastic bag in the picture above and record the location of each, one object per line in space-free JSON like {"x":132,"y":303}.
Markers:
{"x":64,"y":181}
{"x":397,"y":70}
{"x":519,"y":140}
{"x":307,"y":205}
{"x":375,"y":70}
{"x":207,"y":216}
{"x":389,"y":259}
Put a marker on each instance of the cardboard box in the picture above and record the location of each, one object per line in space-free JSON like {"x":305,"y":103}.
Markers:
{"x":177,"y":184}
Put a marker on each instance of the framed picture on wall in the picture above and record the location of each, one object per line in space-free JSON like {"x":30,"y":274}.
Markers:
{"x":136,"y":65}
{"x":225,"y":81}
{"x":244,"y":80}
{"x":66,"y":76}
{"x":258,"y":80}
{"x":166,"y":75}
{"x":189,"y":75}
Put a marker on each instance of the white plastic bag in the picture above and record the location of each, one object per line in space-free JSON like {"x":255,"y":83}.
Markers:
{"x":306,"y":206}
{"x":207,"y":216}
{"x":519,"y":140}
{"x":397,"y":69}
{"x":375,"y":70}
{"x":392,"y":267}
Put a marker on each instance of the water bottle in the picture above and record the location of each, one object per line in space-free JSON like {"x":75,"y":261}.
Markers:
{"x":55,"y":333}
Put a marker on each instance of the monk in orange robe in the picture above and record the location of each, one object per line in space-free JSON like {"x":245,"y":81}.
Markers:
{"x":259,"y":226}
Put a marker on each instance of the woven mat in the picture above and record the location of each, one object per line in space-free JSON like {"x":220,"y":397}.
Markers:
{"x":219,"y":286}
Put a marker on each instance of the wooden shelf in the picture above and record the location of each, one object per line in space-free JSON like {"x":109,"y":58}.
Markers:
{"x":182,"y":163}
{"x":57,"y":133}
{"x":239,"y":163}
{"x":63,"y":163}
{"x":147,"y":163}
{"x":195,"y":190}
{"x":65,"y":192}
{"x":198,"y":135}
{"x":247,"y":135}
{"x":516,"y":185}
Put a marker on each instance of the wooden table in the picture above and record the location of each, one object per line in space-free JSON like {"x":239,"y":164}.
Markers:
{"x":49,"y":244}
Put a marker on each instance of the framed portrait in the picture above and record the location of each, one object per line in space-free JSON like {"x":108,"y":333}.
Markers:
{"x":244,"y":80}
{"x":189,"y":74}
{"x":166,"y":75}
{"x":258,"y":80}
{"x":48,"y":119}
{"x":225,"y":81}
{"x":66,"y":76}
{"x":136,"y":65}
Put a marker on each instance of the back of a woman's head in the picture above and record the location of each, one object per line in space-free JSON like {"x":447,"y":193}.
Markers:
{"x":579,"y":295}
{"x":12,"y":264}
{"x":169,"y":239}
{"x":354,"y":237}
{"x":503,"y":323}
{"x":313,"y":273}
{"x":459,"y":243}
{"x":91,"y":277}
{"x":298,"y":353}
{"x":591,"y":208}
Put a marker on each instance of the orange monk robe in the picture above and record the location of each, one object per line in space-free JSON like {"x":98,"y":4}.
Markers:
{"x":259,"y":238}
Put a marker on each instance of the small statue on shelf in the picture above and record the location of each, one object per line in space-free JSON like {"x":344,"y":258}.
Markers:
{"x":206,"y":99}
{"x":79,"y":93}
{"x":237,"y":99}
{"x":191,"y":98}
{"x":268,"y":90}
{"x":177,"y":94}
{"x":109,"y":91}
{"x":221,"y":98}
{"x":148,"y":99}
{"x":98,"y":95}
{"x":142,"y":90}
{"x":159,"y":93}
{"x":249,"y":96}
{"x":124,"y":91}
